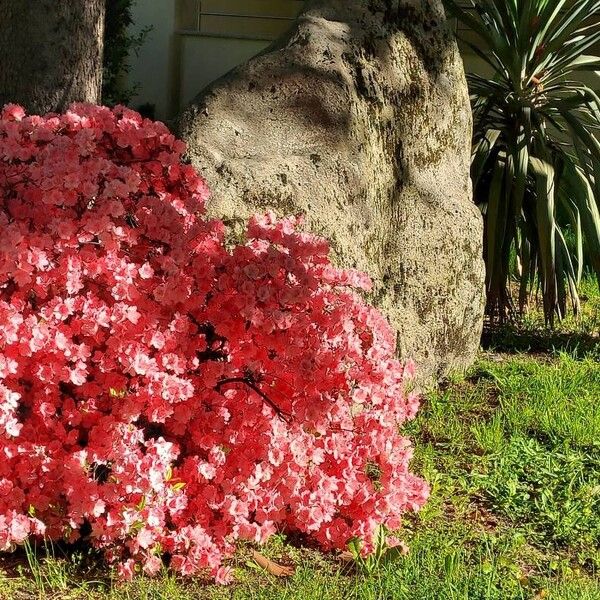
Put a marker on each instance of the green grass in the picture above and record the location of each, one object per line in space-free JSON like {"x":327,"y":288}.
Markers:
{"x":577,"y":335}
{"x":512,"y":451}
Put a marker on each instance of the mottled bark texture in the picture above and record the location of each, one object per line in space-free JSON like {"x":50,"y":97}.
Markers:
{"x":50,"y":53}
{"x":360,"y":118}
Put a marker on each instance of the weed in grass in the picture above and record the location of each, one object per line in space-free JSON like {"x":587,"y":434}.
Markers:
{"x":489,"y":435}
{"x":552,"y":492}
{"x":556,"y":401}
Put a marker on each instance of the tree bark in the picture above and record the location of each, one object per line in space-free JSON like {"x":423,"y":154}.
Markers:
{"x":50,"y":53}
{"x":359,"y":118}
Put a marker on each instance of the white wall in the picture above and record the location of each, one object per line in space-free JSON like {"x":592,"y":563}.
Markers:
{"x":175,"y":63}
{"x":204,"y":59}
{"x":152,"y":68}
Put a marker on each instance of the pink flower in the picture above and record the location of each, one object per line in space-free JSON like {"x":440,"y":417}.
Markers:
{"x":126,"y":570}
{"x":223,"y":575}
{"x":20,"y":528}
{"x":146,"y":271}
{"x":174,"y":392}
{"x":13,"y":112}
{"x":152,"y":565}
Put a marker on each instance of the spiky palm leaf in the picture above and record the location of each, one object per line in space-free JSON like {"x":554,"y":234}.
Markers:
{"x":536,"y":158}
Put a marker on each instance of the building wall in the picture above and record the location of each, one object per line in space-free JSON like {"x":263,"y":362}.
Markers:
{"x":151,"y":69}
{"x":205,"y":59}
{"x":193,"y":42}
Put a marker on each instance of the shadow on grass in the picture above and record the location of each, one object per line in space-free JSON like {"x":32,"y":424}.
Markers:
{"x":517,"y":339}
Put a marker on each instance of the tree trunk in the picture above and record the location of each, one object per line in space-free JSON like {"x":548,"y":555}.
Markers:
{"x":50,"y":53}
{"x":359,"y":117}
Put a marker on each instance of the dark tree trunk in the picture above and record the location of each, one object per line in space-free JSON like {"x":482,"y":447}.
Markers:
{"x":50,"y":53}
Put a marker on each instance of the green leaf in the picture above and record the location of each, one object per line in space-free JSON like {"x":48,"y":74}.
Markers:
{"x":527,"y":260}
{"x":354,"y":547}
{"x":577,"y":187}
{"x":380,"y":542}
{"x":521,"y":161}
{"x":579,"y":131}
{"x":557,"y":34}
{"x":488,"y":25}
{"x":495,"y":222}
{"x":482,"y":153}
{"x":563,"y":61}
{"x":586,"y":63}
{"x":392,"y":555}
{"x":575,"y":220}
{"x":544,"y":176}
{"x":566,"y":276}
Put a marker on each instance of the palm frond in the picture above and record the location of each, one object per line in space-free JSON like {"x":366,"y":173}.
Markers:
{"x":536,"y":155}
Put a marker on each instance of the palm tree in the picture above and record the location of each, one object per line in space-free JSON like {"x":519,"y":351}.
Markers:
{"x":536,"y":158}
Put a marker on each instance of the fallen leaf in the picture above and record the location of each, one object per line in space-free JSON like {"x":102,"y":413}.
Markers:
{"x":272,"y":567}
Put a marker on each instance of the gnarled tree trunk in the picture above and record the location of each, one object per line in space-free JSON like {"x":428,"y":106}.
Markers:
{"x":50,"y":53}
{"x":359,"y":117}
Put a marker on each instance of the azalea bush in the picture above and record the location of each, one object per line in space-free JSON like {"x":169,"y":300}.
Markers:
{"x":162,"y":394}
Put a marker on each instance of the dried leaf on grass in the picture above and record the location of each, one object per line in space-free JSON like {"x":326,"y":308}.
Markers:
{"x":272,"y":567}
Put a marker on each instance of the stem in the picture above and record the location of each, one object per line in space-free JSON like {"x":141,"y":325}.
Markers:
{"x":284,"y":416}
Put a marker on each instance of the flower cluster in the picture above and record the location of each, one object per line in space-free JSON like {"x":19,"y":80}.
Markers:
{"x":163,"y":395}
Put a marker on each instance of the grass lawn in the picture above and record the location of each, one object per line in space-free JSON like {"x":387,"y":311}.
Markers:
{"x":512,"y":451}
